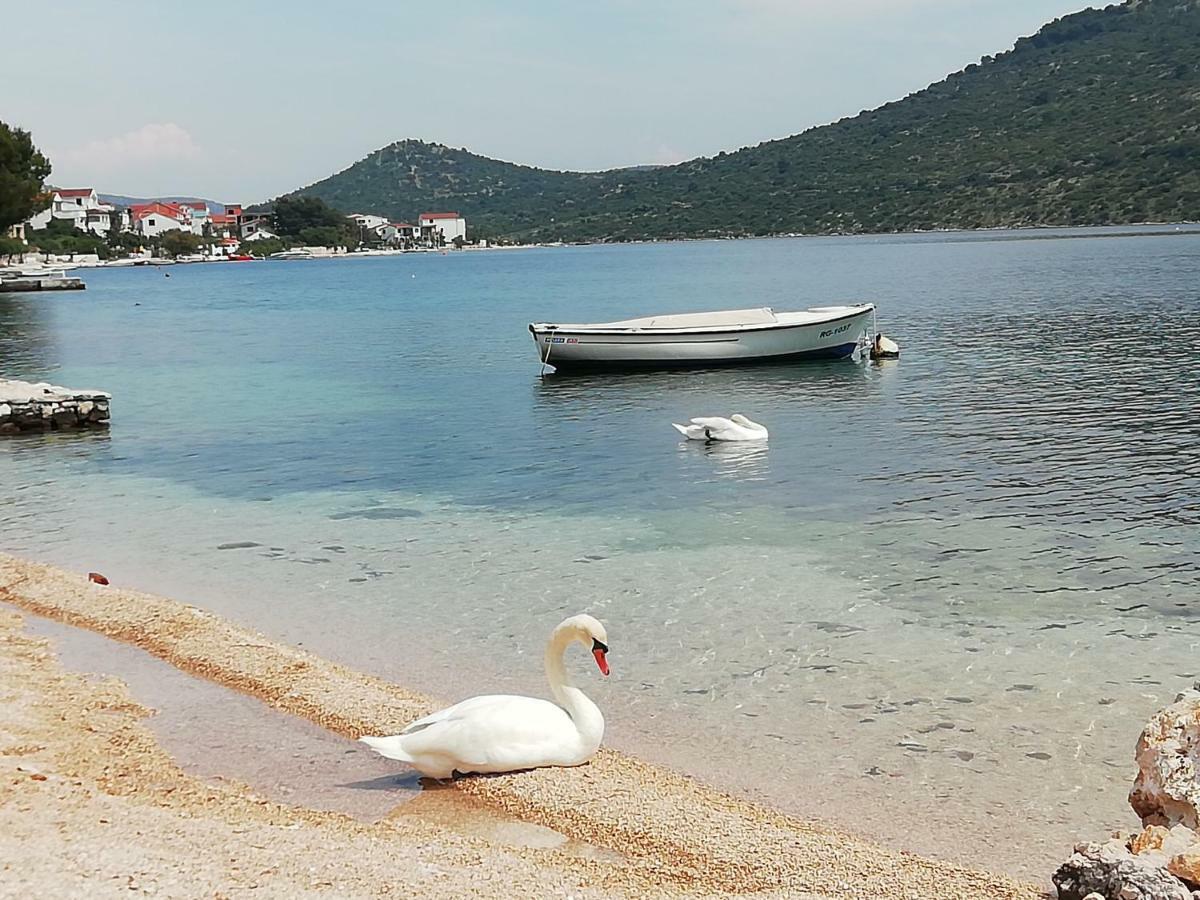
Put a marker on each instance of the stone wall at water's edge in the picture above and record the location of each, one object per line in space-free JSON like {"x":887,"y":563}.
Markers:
{"x":36,"y":407}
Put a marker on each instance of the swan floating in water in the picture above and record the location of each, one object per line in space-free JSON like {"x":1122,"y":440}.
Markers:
{"x":715,"y":428}
{"x":502,"y":733}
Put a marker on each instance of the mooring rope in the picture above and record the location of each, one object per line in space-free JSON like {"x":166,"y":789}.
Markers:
{"x":546,"y":360}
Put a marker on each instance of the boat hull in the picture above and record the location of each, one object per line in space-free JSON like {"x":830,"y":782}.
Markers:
{"x":587,"y":350}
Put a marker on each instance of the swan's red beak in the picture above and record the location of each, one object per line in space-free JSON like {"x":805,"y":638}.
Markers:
{"x":601,"y":661}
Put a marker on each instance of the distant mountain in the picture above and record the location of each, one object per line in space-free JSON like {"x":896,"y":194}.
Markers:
{"x":122,"y":200}
{"x":409,"y":177}
{"x":1093,"y":120}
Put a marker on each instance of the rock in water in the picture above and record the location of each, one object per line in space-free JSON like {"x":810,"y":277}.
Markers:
{"x":1167,"y":789}
{"x":1114,"y":873}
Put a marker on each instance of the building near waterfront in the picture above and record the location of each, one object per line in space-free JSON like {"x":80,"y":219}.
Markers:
{"x":442,"y":227}
{"x":151,"y":219}
{"x":81,"y":207}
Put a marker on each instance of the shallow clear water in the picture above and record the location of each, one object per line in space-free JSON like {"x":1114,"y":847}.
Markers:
{"x":938,"y":606}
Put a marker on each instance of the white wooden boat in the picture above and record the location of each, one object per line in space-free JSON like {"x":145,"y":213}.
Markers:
{"x":696,"y":340}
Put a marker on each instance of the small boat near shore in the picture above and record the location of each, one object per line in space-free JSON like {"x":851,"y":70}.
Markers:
{"x":700,"y":340}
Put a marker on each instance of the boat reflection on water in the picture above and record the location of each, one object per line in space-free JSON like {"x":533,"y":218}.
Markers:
{"x":823,"y":382}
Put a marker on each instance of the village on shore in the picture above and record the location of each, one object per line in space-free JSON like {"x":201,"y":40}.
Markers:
{"x":77,"y":228}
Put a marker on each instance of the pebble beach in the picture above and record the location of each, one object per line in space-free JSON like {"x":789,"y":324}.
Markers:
{"x":81,"y":768}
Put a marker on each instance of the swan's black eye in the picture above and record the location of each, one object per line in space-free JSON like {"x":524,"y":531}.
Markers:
{"x":597,"y":645}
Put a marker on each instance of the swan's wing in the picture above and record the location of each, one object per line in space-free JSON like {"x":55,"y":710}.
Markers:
{"x":457,"y":711}
{"x":745,"y":422}
{"x":691,"y":432}
{"x":711,"y":422}
{"x":724,"y":430}
{"x":450,"y":712}
{"x":494,"y":733}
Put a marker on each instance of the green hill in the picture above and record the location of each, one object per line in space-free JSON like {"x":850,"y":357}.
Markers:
{"x":1093,"y":120}
{"x":409,"y":177}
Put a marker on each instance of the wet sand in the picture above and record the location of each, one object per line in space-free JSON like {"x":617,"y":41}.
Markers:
{"x":614,"y":827}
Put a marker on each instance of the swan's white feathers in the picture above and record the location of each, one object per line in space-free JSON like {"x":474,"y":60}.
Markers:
{"x":495,"y":733}
{"x":505,"y":733}
{"x":498,"y":733}
{"x":717,"y":428}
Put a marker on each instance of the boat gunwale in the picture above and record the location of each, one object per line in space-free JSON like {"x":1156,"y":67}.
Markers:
{"x":536,"y":328}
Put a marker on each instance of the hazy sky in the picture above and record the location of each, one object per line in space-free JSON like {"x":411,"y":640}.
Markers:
{"x":241,"y":101}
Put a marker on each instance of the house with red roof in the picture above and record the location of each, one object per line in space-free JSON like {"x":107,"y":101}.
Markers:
{"x":200,"y":216}
{"x":226,"y":224}
{"x":399,"y":233}
{"x":154,"y":218}
{"x":81,"y":207}
{"x":442,"y":227}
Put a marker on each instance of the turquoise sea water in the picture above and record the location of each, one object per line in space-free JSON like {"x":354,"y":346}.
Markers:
{"x":938,"y":605}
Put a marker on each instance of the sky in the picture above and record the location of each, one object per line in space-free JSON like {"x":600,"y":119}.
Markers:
{"x":242,"y":101}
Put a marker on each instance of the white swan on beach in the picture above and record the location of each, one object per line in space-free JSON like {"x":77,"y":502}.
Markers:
{"x":503,"y":733}
{"x":715,"y":428}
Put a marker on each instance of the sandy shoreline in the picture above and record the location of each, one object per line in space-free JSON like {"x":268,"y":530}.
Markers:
{"x":663,"y":833}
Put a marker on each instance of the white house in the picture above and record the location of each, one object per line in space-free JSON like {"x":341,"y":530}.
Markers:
{"x":200,"y":216}
{"x":98,"y":221}
{"x":399,"y":233}
{"x":256,"y":227}
{"x":150,"y":219}
{"x":257,"y":232}
{"x":80,"y":206}
{"x":368,"y":222}
{"x":449,"y":225}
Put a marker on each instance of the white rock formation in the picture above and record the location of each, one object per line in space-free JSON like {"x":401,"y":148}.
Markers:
{"x":1167,"y":788}
{"x":13,"y":392}
{"x":1111,"y":871}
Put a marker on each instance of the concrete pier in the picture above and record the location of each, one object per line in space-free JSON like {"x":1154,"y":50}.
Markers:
{"x":34,"y":280}
{"x":36,"y":407}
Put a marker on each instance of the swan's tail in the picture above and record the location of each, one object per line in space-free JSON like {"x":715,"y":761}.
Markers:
{"x":391,"y":747}
{"x":682,"y":429}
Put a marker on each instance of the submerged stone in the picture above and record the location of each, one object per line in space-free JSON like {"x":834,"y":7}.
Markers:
{"x":378,"y":512}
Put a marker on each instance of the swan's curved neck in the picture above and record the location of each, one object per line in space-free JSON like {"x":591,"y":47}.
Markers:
{"x":583,"y":712}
